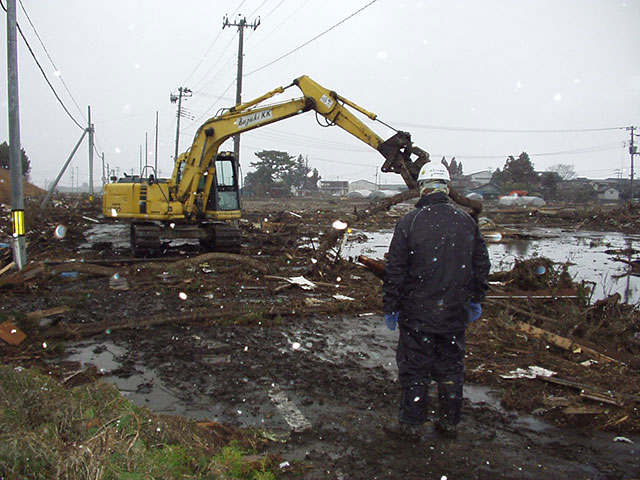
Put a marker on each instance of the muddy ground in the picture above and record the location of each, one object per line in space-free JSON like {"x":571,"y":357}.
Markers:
{"x":230,"y":340}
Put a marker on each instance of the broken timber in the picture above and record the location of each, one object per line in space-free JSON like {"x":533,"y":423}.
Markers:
{"x":593,"y":393}
{"x":562,"y":342}
{"x":233,"y":257}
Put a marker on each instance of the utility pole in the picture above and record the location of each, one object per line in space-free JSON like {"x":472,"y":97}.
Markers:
{"x":241,"y":23}
{"x":155,"y":151}
{"x":146,"y":152}
{"x":104,"y":177}
{"x":15,"y":157}
{"x":182,"y":92}
{"x":90,"y":129}
{"x":633,"y":150}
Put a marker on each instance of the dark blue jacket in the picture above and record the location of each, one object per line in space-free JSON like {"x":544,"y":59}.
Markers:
{"x":437,"y":264}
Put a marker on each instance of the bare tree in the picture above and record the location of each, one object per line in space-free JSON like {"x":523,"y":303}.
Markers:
{"x":564,"y":171}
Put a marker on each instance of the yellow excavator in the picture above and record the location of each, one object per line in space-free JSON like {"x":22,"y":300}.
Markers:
{"x":201,"y":199}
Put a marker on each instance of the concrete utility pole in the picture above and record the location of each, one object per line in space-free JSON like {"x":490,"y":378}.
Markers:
{"x":182,"y":92}
{"x":15,"y":157}
{"x":104,"y":177}
{"x":241,"y":23}
{"x":91,"y":147}
{"x":633,"y":150}
{"x":155,"y":151}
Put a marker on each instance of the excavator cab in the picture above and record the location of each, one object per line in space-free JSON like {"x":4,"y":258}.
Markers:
{"x":224,"y":194}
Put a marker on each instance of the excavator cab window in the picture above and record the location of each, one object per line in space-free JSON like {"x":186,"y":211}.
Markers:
{"x":226,"y":185}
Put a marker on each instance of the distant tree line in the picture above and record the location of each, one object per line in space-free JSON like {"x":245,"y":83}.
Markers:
{"x":520,"y":174}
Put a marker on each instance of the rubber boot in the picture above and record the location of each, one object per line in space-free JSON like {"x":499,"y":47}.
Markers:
{"x":413,"y":404}
{"x":449,"y":408}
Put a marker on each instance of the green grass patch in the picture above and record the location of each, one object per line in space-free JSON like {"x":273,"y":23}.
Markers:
{"x":92,"y":431}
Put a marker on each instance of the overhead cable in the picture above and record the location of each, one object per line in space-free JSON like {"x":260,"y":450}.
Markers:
{"x":43,"y":73}
{"x":212,"y":105}
{"x":273,"y":9}
{"x":215,"y":64}
{"x":313,"y":39}
{"x":202,"y":58}
{"x":258,"y":8}
{"x":496,"y":130}
{"x":277,"y":27}
{"x":52,"y":62}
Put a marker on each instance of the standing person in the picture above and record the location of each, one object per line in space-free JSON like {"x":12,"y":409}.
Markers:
{"x":436,"y":277}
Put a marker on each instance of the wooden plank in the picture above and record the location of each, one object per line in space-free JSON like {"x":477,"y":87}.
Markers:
{"x":590,"y":389}
{"x":598,"y":397}
{"x":562,"y":342}
{"x":582,"y":411}
{"x":38,"y":314}
{"x":7,"y":267}
{"x":11,"y":334}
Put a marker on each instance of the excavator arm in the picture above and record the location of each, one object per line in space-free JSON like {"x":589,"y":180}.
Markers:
{"x":201,"y":200}
{"x":195,"y":165}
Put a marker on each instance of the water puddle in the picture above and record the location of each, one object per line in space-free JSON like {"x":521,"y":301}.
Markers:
{"x":591,"y":255}
{"x":143,"y":387}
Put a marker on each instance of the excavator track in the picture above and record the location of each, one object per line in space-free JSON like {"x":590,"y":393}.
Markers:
{"x":145,"y":239}
{"x":221,"y":237}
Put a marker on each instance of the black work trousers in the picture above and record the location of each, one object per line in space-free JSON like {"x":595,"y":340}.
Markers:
{"x":422,"y":357}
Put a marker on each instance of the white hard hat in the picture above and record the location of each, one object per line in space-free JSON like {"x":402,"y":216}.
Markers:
{"x":433,"y":171}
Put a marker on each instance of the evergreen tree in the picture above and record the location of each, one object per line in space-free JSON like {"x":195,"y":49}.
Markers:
{"x":4,"y":159}
{"x":276,"y":169}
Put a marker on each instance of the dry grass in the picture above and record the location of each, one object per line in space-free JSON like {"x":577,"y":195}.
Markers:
{"x":47,"y":431}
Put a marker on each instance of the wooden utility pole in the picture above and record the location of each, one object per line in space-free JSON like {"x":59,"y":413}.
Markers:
{"x":241,"y":23}
{"x":15,"y":157}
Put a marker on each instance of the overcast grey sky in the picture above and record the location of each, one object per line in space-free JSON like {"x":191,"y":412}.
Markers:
{"x":475,"y":79}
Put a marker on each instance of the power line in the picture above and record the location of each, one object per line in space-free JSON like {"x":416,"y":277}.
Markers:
{"x":491,"y":130}
{"x":215,"y":64}
{"x":43,"y":73}
{"x":211,"y":46}
{"x":59,"y":74}
{"x":313,"y":39}
{"x":257,"y":8}
{"x":212,"y":105}
{"x":202,"y":58}
{"x":272,"y":10}
{"x":277,"y":27}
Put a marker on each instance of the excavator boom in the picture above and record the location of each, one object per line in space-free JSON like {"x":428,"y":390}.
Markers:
{"x":202,"y":195}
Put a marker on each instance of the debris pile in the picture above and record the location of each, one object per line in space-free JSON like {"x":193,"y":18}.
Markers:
{"x":534,"y":316}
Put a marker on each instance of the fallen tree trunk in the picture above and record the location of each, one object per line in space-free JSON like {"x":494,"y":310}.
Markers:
{"x":200,"y":315}
{"x":232,"y":257}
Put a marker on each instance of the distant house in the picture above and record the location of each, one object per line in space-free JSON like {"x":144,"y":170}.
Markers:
{"x":480,"y":178}
{"x":337,"y":188}
{"x":362,"y":185}
{"x":489,"y":191}
{"x":609,"y":194}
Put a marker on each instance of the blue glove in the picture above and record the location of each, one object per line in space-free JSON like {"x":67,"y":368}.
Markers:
{"x":391,"y":319}
{"x":475,"y":311}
